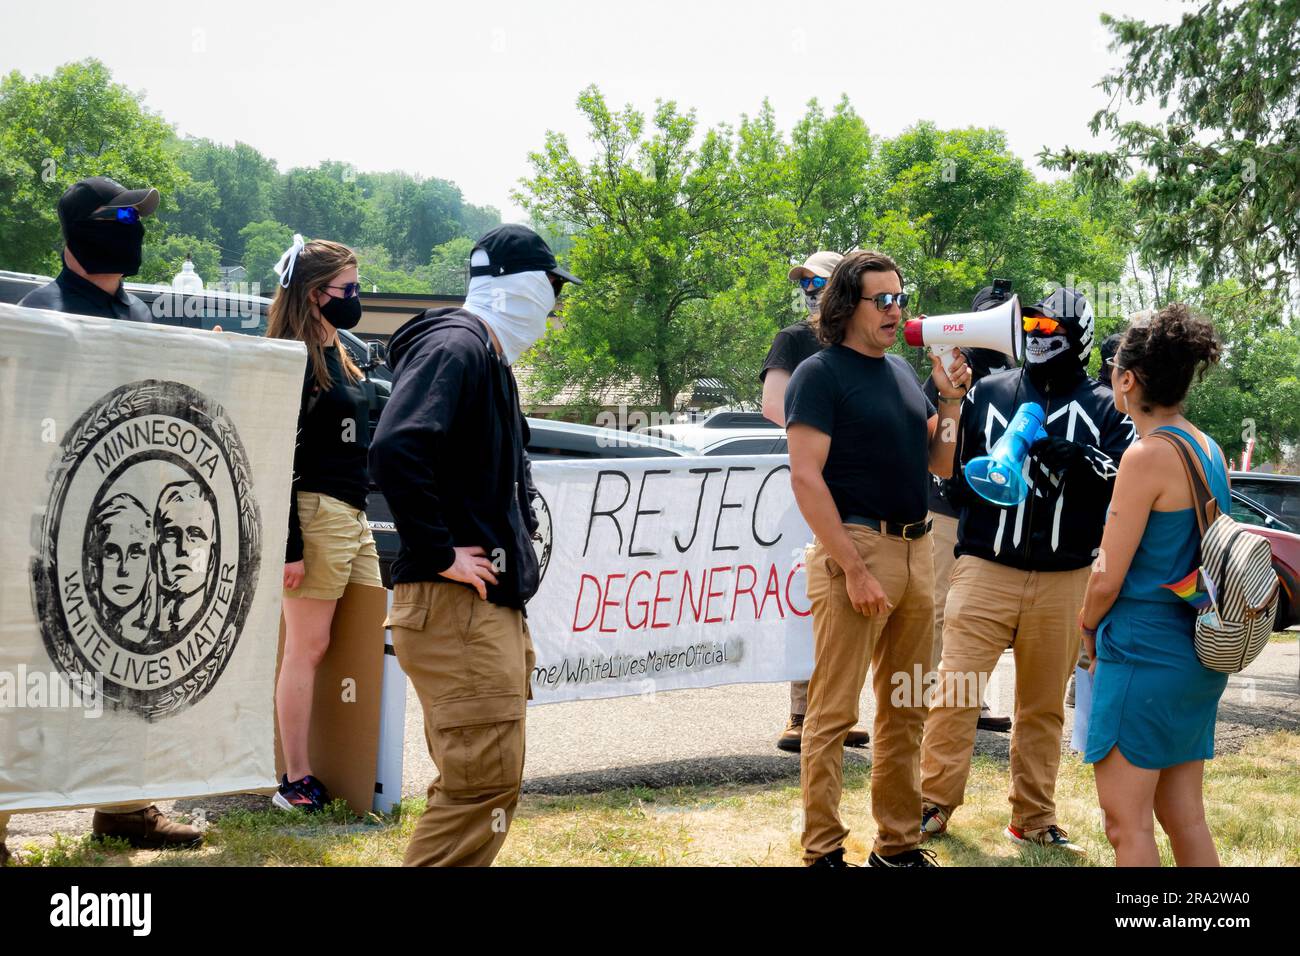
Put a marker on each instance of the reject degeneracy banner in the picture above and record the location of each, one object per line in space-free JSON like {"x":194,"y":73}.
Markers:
{"x":144,"y":495}
{"x":666,"y":573}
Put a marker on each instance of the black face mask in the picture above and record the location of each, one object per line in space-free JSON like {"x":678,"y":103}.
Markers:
{"x":342,"y":313}
{"x":105,"y":247}
{"x":1059,"y":374}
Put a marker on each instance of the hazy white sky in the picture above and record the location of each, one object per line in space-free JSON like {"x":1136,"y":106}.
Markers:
{"x":464,"y":91}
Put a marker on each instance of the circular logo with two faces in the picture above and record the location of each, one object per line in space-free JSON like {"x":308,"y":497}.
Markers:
{"x":149,"y":548}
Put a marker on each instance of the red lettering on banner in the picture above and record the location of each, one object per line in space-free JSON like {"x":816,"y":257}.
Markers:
{"x":712,"y":594}
{"x":753,"y":579}
{"x":654,"y":617}
{"x":577,"y":605}
{"x":773,"y":589}
{"x":609,"y":579}
{"x":688,"y":593}
{"x":644,"y":605}
{"x":788,"y":600}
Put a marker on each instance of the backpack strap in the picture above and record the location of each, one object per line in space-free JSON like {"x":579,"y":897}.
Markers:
{"x":1206,"y":505}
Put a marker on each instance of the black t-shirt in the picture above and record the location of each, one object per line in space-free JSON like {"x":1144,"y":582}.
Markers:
{"x":876,"y":414}
{"x":790,"y":347}
{"x":333,"y":444}
{"x":71,"y":293}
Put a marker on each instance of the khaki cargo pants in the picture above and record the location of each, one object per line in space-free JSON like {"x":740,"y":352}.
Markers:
{"x":470,"y":662}
{"x":992,"y":607}
{"x":897,"y":647}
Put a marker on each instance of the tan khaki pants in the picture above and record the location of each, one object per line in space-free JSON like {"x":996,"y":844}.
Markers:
{"x":799,"y":697}
{"x":470,"y":662}
{"x":945,"y":539}
{"x":992,"y":607}
{"x":844,"y":642}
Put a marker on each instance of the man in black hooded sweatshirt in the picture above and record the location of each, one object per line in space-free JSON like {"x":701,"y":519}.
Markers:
{"x":449,"y":457}
{"x":1021,"y":572}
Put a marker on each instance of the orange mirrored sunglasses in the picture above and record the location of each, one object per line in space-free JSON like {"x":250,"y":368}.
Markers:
{"x":1039,"y":323}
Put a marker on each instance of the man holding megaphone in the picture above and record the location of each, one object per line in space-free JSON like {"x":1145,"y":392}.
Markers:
{"x":862,"y":438}
{"x":1023,"y":564}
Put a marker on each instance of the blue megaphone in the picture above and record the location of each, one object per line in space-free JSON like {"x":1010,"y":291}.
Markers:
{"x":996,"y":477}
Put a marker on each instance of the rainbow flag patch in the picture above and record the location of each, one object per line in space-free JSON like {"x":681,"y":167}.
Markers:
{"x":1196,"y":589}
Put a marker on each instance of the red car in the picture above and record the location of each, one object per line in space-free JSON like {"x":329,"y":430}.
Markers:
{"x":1286,"y":562}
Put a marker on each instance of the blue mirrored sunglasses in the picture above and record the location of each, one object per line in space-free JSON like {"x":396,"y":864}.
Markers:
{"x":121,"y":214}
{"x":813,"y":282}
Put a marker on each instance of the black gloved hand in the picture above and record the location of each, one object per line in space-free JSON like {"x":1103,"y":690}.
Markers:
{"x":1059,"y":455}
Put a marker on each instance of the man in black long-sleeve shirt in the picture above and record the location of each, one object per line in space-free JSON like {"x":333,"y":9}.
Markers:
{"x":449,"y":457}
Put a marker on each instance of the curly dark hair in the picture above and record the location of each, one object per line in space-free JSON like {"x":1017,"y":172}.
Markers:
{"x":1166,"y":352}
{"x":844,"y":291}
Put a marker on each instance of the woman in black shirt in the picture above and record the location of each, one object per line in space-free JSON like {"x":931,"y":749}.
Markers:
{"x":330,"y":545}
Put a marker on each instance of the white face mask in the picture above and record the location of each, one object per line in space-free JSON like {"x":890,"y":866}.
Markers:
{"x":810,"y":300}
{"x":514,"y":306}
{"x":1044,"y":348}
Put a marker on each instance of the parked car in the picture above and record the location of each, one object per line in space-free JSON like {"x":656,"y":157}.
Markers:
{"x":1286,"y":550}
{"x":1279,"y":494}
{"x":726,"y":432}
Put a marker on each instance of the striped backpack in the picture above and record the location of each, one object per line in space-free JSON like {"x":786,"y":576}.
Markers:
{"x":1237,"y":564}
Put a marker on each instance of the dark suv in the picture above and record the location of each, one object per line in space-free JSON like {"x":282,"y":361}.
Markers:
{"x":247,"y":314}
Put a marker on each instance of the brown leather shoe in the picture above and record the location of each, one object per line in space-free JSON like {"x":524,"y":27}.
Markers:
{"x":996,"y":724}
{"x":791,"y":738}
{"x":146,"y":829}
{"x":857,"y":738}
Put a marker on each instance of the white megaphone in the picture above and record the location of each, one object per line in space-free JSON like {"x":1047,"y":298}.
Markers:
{"x":998,"y":329}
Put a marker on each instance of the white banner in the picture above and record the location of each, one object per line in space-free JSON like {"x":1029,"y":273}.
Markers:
{"x":662,"y":573}
{"x":144,"y":497}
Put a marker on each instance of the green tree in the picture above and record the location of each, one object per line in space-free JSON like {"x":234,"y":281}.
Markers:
{"x":323,"y":203}
{"x":263,"y":244}
{"x":1223,"y":194}
{"x":380,"y":273}
{"x":659,"y":238}
{"x":163,"y":259}
{"x":1255,"y":389}
{"x":231,"y":187}
{"x":449,"y":266}
{"x":59,"y":128}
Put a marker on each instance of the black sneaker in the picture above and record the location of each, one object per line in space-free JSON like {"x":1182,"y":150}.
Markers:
{"x":906,"y":858}
{"x":307,"y":794}
{"x":835,"y":858}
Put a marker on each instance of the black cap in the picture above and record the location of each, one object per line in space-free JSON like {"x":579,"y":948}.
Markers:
{"x":514,"y":248}
{"x":1110,"y":345}
{"x":86,"y":197}
{"x":990,"y":297}
{"x":1071,"y":308}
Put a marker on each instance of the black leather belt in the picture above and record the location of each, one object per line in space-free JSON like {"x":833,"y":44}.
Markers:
{"x":908,"y":532}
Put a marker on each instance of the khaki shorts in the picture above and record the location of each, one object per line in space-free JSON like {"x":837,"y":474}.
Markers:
{"x":337,"y":548}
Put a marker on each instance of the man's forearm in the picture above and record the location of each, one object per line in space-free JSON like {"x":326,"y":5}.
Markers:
{"x":941,"y":450}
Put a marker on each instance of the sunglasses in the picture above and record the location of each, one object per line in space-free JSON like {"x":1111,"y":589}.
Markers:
{"x":808,"y":283}
{"x":1039,"y":323}
{"x":884,"y":300}
{"x":350,"y":289}
{"x":127,"y":214}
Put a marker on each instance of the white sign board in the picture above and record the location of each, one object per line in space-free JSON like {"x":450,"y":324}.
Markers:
{"x":144,"y":496}
{"x":662,"y":573}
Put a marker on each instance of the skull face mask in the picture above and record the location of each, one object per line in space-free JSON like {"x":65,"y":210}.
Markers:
{"x":1041,"y":348}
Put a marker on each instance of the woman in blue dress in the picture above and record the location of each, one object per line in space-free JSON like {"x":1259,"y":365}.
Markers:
{"x":1154,"y":704}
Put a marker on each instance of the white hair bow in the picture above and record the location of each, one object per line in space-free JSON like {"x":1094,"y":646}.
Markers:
{"x":284,"y":268}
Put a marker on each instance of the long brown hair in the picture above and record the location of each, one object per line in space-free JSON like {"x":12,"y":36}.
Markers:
{"x":291,"y":315}
{"x":843,"y":292}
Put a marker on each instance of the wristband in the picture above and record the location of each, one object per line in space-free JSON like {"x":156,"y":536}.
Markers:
{"x":944,"y":400}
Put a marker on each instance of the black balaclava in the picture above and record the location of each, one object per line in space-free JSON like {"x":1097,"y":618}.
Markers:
{"x":105,"y":246}
{"x":1054,"y":364}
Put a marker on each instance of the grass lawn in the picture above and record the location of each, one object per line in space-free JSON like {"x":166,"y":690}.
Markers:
{"x":1252,"y":799}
